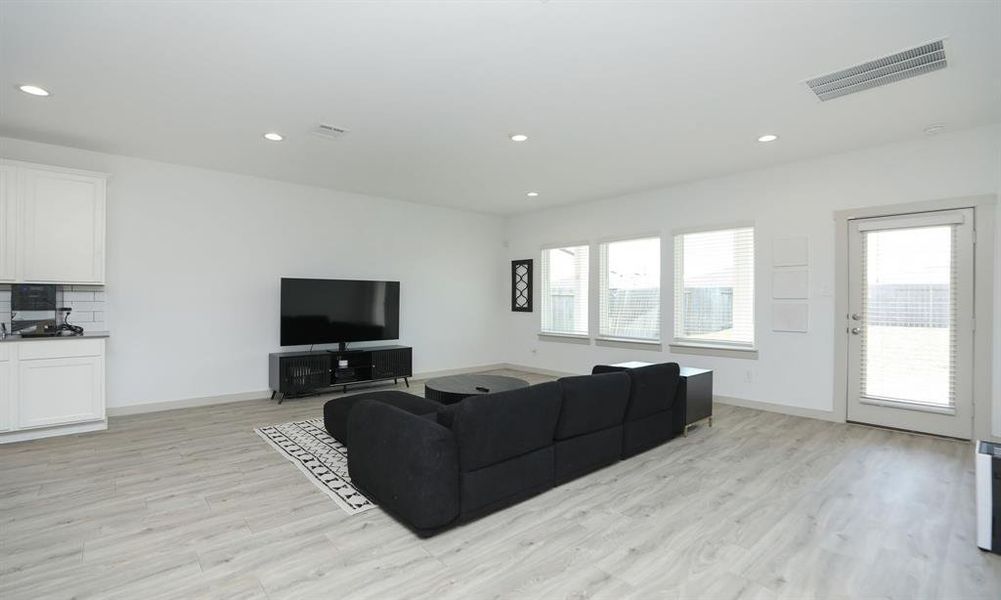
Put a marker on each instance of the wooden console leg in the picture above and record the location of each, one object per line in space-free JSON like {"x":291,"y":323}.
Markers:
{"x":281,"y":397}
{"x":273,"y":394}
{"x":406,"y":381}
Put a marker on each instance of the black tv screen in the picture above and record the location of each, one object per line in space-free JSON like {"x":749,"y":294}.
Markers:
{"x":326,"y":311}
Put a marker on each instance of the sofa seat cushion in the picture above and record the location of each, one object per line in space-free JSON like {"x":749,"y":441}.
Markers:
{"x":643,"y":434}
{"x":592,"y":403}
{"x":580,"y":455}
{"x":336,"y":411}
{"x":490,"y":488}
{"x":495,"y":427}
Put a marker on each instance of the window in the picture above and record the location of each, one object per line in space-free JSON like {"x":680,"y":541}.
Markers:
{"x":564,"y":290}
{"x":714,"y":287}
{"x":629,"y":295}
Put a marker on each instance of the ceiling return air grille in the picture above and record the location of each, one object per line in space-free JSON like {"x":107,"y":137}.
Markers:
{"x":896,"y":67}
{"x":329,"y":131}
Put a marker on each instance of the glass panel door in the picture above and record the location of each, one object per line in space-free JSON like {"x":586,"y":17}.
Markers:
{"x":910,"y":329}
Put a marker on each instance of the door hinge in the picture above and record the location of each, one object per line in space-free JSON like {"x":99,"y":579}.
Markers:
{"x":973,"y":324}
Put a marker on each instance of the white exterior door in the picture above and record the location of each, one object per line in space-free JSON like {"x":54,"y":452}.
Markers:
{"x":63,"y":227}
{"x":910,"y":322}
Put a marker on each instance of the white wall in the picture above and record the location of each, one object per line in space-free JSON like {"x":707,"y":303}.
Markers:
{"x":793,"y":370}
{"x":194,"y":259}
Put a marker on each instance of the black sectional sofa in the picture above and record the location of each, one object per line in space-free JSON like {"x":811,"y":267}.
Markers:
{"x":434,"y":466}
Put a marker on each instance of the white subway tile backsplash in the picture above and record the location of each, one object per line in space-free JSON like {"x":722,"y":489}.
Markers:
{"x":87,"y":302}
{"x":89,"y":306}
{"x":74,"y":296}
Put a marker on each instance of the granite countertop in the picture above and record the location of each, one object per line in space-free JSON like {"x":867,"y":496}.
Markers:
{"x":86,"y":335}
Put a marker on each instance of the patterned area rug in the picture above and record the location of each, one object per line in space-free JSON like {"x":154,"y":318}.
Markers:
{"x":323,"y":459}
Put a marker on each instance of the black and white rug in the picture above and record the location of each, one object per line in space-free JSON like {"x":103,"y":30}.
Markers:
{"x":323,"y":459}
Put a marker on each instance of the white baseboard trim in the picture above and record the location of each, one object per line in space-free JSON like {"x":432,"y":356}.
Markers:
{"x":151,"y":407}
{"x":462,"y":371}
{"x":794,"y":411}
{"x":810,"y":413}
{"x":528,"y":369}
{"x":46,"y":432}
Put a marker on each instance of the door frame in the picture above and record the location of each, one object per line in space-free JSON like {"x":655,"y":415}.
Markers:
{"x":986,"y":425}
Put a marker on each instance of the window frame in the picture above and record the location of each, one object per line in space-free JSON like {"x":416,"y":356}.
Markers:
{"x":713,"y":347}
{"x":600,"y":268}
{"x":544,"y":286}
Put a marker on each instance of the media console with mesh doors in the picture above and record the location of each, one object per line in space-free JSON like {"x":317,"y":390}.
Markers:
{"x":300,"y":373}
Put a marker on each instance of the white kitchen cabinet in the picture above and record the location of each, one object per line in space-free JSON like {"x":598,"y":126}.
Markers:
{"x":62,"y":215}
{"x":6,"y":391}
{"x":52,"y":387}
{"x":8,"y":223}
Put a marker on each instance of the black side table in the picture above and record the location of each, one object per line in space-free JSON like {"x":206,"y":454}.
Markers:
{"x":696,"y":385}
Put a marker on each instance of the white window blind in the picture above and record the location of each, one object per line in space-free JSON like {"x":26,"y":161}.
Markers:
{"x":908,"y":324}
{"x":564,"y":290}
{"x":714,"y":287}
{"x":629,"y":294}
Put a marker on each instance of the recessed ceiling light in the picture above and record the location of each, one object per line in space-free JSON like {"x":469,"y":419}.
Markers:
{"x":935,"y":128}
{"x":34,"y":90}
{"x":271,"y":136}
{"x":532,"y":194}
{"x":518,"y":137}
{"x":768,"y":137}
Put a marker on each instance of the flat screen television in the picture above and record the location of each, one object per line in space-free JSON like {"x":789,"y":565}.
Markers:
{"x":326,"y":311}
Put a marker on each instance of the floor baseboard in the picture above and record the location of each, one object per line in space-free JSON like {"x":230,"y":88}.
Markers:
{"x":795,"y":411}
{"x":152,"y":407}
{"x":528,"y":369}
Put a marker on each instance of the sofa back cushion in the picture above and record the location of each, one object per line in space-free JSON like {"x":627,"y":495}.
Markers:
{"x":592,"y":403}
{"x":495,"y":427}
{"x":654,"y":389}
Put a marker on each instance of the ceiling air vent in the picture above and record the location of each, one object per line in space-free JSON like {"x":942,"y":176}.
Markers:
{"x":329,"y":131}
{"x":896,"y":67}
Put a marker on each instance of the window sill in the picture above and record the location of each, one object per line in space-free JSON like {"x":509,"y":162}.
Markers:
{"x":720,"y":350}
{"x":629,"y":343}
{"x":566,"y":338}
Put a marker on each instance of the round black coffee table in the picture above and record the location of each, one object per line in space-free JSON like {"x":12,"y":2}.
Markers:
{"x":451,"y":389}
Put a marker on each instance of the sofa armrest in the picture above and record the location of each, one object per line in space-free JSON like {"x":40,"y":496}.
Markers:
{"x":407,"y":464}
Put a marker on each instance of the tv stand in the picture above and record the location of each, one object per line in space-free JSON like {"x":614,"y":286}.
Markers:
{"x":293,"y":374}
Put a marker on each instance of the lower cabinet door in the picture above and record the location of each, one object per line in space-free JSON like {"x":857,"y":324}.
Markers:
{"x":6,"y":397}
{"x":55,"y":391}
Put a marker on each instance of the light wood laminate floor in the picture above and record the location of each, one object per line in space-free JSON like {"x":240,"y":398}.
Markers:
{"x":193,"y":504}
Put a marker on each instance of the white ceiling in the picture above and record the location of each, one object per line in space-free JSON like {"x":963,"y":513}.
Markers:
{"x":616,"y":96}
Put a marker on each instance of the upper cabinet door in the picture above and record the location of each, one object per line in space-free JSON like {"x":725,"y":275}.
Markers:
{"x":8,"y":223}
{"x":63,"y":226}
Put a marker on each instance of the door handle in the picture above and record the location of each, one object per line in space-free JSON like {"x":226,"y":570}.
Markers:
{"x":856,"y":317}
{"x":856,"y":330}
